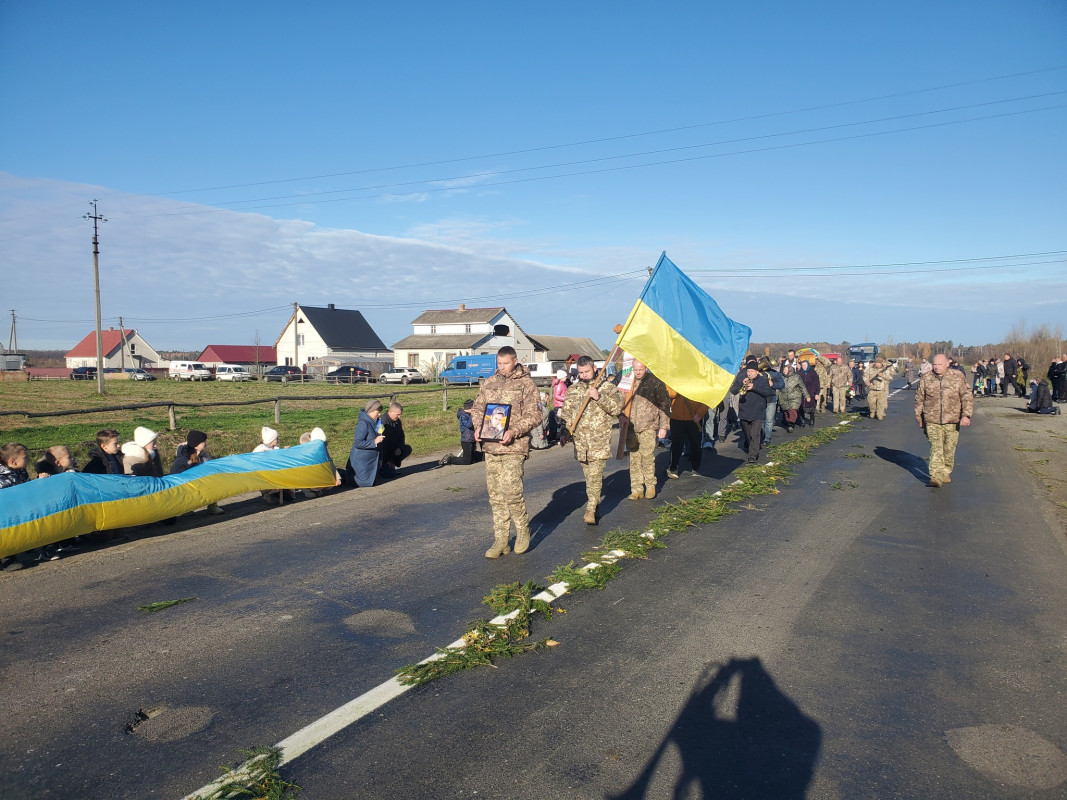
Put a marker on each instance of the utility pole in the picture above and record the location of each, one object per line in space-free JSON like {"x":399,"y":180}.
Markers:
{"x":97,"y":219}
{"x":13,"y":339}
{"x":122,"y":350}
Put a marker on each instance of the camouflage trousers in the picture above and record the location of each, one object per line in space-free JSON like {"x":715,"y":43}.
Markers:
{"x":820,"y":404}
{"x":878,"y":402}
{"x":943,"y":440}
{"x":840,"y":399}
{"x":503,"y":478}
{"x":642,"y":448}
{"x":594,"y":481}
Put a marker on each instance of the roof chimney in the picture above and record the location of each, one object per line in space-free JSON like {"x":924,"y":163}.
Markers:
{"x":462,"y":307}
{"x":330,"y":306}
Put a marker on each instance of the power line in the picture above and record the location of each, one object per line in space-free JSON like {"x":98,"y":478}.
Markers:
{"x":599,"y":159}
{"x":620,"y":137}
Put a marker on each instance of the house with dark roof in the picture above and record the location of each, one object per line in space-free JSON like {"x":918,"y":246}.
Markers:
{"x":122,"y":349}
{"x":439,"y":336}
{"x":247,"y":355}
{"x":314,"y":333}
{"x":558,"y":348}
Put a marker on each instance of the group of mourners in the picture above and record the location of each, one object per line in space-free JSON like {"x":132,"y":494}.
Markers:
{"x":1013,"y":372}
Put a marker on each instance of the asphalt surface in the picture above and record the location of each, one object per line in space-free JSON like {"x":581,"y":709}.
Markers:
{"x":858,"y":635}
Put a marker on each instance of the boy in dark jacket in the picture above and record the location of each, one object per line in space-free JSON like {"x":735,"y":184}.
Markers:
{"x":105,"y":459}
{"x":466,"y":438}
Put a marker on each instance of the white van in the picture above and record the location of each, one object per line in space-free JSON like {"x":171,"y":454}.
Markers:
{"x":232,"y":372}
{"x":188,"y":371}
{"x":543,"y":372}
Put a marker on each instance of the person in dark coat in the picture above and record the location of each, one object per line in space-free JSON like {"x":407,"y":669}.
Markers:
{"x":470,"y":452}
{"x":192,"y":453}
{"x":362,"y":467}
{"x":810,"y":378}
{"x":753,"y":389}
{"x":104,"y":459}
{"x":1009,"y":374}
{"x":1041,"y":398}
{"x":394,"y":449}
{"x":151,"y":467}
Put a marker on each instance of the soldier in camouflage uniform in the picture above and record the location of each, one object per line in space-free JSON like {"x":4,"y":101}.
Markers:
{"x":822,"y":369}
{"x":648,"y":422}
{"x":591,"y":433}
{"x":943,"y":404}
{"x":505,"y":459}
{"x":840,"y":381}
{"x":877,"y":377}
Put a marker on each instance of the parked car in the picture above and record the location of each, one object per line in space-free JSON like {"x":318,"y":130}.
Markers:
{"x":112,"y":370}
{"x":138,"y":374}
{"x":468,"y":369}
{"x":83,"y":374}
{"x":282,"y":374}
{"x":189,"y":371}
{"x":403,"y":375}
{"x":232,"y":372}
{"x":349,"y":374}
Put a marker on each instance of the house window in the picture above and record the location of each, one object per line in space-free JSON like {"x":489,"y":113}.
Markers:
{"x":133,"y":348}
{"x":300,"y":339}
{"x":501,"y":330}
{"x":433,"y":329}
{"x":449,"y":357}
{"x":413,"y":360}
{"x":466,"y":328}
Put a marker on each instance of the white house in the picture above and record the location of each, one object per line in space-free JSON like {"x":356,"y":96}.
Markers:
{"x":122,"y":349}
{"x":439,"y":336}
{"x":315,"y":333}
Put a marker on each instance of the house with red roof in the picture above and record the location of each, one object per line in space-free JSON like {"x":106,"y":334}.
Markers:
{"x":248,"y":355}
{"x":122,"y":349}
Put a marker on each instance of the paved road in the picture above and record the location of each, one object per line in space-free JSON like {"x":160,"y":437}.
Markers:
{"x":858,"y":635}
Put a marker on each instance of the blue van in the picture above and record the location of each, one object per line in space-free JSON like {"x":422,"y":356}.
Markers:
{"x":468,"y":369}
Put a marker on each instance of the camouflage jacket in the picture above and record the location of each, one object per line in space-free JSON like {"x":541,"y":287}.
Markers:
{"x":592,"y":435}
{"x":646,"y":411}
{"x":822,"y":369}
{"x":943,"y":400}
{"x":878,"y":378}
{"x":841,"y":376}
{"x":519,"y":391}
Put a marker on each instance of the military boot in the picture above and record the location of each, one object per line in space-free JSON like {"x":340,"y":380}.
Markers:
{"x":522,"y":541}
{"x":499,"y":548}
{"x":650,"y":492}
{"x":590,"y":516}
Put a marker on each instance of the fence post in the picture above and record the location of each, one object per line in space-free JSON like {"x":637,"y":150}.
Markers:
{"x":277,"y":411}
{"x":444,"y":399}
{"x":170,"y":416}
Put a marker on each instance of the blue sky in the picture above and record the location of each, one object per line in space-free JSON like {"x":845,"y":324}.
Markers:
{"x":806,"y":163}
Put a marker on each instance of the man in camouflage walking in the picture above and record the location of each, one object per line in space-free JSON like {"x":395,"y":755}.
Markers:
{"x":591,"y":432}
{"x":877,"y":378}
{"x":648,"y":422}
{"x":840,"y":381}
{"x":943,"y":404}
{"x":505,"y":459}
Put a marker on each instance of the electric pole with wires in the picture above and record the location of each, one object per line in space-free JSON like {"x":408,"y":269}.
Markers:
{"x":97,"y":218}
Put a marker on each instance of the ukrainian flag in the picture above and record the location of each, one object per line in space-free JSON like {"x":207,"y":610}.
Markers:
{"x":683,"y":337}
{"x":49,"y":510}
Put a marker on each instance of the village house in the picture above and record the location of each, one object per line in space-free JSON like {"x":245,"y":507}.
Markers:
{"x":123,"y":349}
{"x":328,"y":334}
{"x":559,"y":348}
{"x":439,"y":336}
{"x":247,"y":355}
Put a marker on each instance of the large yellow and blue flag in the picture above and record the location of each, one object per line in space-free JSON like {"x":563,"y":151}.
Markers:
{"x":683,"y":337}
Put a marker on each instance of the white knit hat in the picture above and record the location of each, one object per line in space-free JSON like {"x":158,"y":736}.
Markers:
{"x":318,"y":435}
{"x":561,"y":375}
{"x":144,"y":437}
{"x":269,"y":435}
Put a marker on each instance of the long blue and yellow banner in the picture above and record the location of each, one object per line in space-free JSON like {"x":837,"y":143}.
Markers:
{"x":61,"y":506}
{"x":683,"y":336}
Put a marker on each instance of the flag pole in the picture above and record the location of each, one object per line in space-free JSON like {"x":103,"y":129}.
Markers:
{"x":641,"y":297}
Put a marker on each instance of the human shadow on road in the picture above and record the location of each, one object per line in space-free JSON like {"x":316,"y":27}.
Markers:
{"x":766,"y":751}
{"x":909,"y":461}
{"x":570,"y":498}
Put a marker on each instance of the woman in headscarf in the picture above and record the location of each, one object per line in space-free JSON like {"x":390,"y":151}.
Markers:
{"x":811,"y":383}
{"x":363,"y":460}
{"x":792,"y":396}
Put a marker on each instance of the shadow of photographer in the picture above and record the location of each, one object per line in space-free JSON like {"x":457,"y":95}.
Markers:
{"x":737,"y":737}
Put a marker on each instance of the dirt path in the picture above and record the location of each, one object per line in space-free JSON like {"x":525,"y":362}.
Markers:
{"x":1039,"y":445}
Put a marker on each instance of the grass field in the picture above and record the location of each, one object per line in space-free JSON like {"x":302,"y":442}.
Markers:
{"x":230,"y":429}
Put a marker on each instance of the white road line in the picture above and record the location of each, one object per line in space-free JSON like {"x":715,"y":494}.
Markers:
{"x":354,"y":710}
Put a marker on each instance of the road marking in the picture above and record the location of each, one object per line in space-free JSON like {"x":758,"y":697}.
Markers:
{"x":354,"y":710}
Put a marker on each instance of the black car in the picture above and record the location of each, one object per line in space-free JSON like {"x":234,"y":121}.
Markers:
{"x":83,"y":374}
{"x":284,"y":374}
{"x":350,"y":374}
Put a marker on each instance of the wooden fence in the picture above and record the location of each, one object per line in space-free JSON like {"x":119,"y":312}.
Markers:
{"x":170,"y":405}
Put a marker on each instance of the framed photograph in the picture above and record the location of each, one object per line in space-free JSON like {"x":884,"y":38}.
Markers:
{"x":496,"y":420}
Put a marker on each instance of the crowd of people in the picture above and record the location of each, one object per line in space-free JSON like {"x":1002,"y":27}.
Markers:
{"x":510,"y":416}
